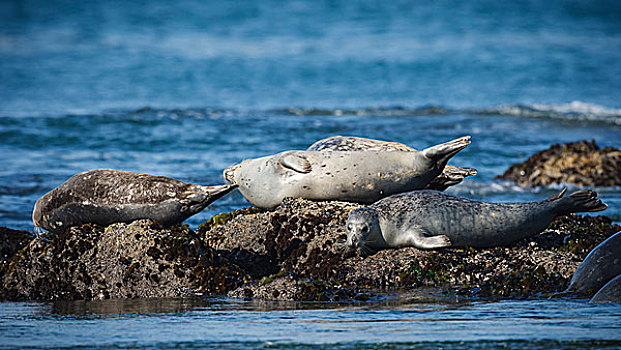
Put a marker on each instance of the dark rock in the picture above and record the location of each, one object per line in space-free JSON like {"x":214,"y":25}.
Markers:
{"x":134,"y":260}
{"x":580,"y":163}
{"x":294,"y":252}
{"x":11,"y":242}
{"x":303,"y":238}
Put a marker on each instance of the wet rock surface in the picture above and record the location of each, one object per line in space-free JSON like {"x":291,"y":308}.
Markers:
{"x":294,"y":252}
{"x":580,"y":163}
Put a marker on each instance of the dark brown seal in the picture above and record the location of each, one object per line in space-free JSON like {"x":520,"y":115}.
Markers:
{"x":106,"y":196}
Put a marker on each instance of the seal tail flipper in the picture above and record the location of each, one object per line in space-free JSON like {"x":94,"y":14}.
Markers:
{"x":580,"y":201}
{"x":443,"y":152}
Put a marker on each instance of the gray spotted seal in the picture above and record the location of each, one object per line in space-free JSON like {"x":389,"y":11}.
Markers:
{"x":106,"y":196}
{"x":450,"y":176}
{"x":431,"y":219}
{"x":601,"y":265}
{"x":609,"y":293}
{"x":356,"y":176}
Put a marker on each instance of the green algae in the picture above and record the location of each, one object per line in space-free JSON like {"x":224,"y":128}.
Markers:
{"x":223,"y":218}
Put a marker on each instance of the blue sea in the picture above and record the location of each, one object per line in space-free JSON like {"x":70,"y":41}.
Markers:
{"x":187,"y":88}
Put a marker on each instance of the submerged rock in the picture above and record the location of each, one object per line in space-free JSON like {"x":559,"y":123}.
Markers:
{"x":294,"y":252}
{"x":580,"y":163}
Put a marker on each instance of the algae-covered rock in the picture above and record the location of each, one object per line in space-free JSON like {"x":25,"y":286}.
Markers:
{"x":305,"y":238}
{"x":580,"y":163}
{"x":134,"y":260}
{"x":294,"y":252}
{"x":11,"y":242}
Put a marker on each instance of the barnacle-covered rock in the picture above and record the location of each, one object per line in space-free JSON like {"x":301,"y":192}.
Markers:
{"x":580,"y":163}
{"x":294,"y":252}
{"x":305,"y":238}
{"x":134,"y":260}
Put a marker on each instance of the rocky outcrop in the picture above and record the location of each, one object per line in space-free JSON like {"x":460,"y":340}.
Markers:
{"x":134,"y":260}
{"x":580,"y":163}
{"x":294,"y":252}
{"x":304,"y":239}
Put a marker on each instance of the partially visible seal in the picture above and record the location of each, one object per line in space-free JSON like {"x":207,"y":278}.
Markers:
{"x":356,"y":176}
{"x":601,"y":265}
{"x":450,"y":176}
{"x":107,"y":196}
{"x":609,"y":293}
{"x":431,"y":219}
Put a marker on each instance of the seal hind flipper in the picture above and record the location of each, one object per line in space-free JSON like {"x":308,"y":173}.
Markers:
{"x":557,"y":196}
{"x":450,"y":176}
{"x":296,"y":162}
{"x":580,"y":201}
{"x":443,"y":152}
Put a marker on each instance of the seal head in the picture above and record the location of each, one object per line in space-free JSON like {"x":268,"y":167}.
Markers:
{"x":364,"y":232}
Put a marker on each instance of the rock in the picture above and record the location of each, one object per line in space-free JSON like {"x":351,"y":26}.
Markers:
{"x":580,"y":163}
{"x":294,"y":252}
{"x":303,"y":238}
{"x":136,"y":260}
{"x":11,"y":242}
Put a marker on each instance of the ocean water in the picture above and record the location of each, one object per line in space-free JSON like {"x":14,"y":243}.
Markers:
{"x":187,"y":88}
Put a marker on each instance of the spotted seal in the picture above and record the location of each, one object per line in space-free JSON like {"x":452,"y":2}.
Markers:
{"x":450,"y":176}
{"x":430,"y":219}
{"x":107,"y":196}
{"x":609,"y":293}
{"x":601,"y":265}
{"x":355,"y":176}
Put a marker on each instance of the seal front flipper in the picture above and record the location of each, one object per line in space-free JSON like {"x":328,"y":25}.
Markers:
{"x":296,"y":162}
{"x":418,"y":239}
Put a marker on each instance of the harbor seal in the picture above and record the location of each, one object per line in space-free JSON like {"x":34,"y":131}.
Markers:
{"x":609,"y":293}
{"x":431,"y":219}
{"x":356,"y":176}
{"x":601,"y":265}
{"x":106,"y":196}
{"x":450,"y":176}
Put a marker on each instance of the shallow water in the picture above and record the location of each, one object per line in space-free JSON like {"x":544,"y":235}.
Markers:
{"x":188,"y":88}
{"x":393,"y":323}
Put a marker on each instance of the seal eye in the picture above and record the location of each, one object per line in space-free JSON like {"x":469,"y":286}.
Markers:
{"x":349,"y":227}
{"x":365,"y":229}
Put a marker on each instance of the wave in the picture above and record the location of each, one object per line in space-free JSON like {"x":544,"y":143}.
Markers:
{"x":574,"y":111}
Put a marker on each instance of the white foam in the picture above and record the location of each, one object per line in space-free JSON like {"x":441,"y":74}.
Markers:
{"x":581,"y":108}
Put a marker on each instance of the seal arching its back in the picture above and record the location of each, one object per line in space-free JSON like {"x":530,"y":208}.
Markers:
{"x":106,"y":196}
{"x":355,"y":176}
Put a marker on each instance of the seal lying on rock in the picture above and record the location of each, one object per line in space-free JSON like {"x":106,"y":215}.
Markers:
{"x":431,"y":219}
{"x":601,"y":265}
{"x":450,"y":176}
{"x":107,"y":196}
{"x":357,"y":176}
{"x":610,"y":293}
